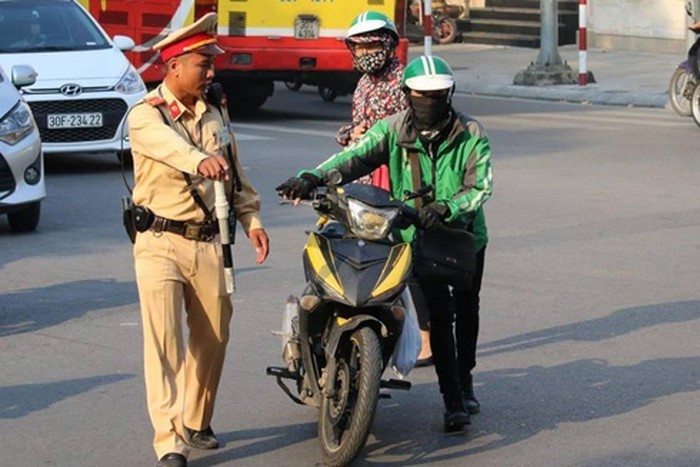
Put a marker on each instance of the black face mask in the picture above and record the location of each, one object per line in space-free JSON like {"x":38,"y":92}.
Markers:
{"x":371,"y":63}
{"x":429,"y":112}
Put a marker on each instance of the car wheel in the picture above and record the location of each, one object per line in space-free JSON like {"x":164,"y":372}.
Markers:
{"x":26,"y":219}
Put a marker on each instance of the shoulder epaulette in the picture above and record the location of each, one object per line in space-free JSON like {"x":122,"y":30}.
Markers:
{"x":154,"y":101}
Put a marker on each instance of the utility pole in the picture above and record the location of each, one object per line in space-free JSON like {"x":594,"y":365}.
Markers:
{"x":549,"y":68}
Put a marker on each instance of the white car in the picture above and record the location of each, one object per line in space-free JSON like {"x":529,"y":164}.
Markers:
{"x":21,"y":162}
{"x":85,"y":84}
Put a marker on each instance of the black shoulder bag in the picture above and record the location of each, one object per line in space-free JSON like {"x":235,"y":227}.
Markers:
{"x":444,"y":254}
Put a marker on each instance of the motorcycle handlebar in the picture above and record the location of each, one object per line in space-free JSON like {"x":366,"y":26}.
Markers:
{"x":292,"y":202}
{"x":411,"y":215}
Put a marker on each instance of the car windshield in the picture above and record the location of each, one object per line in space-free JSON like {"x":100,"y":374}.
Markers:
{"x":47,"y":26}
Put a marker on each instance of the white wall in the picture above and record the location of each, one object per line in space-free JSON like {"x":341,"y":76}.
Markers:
{"x":642,"y":25}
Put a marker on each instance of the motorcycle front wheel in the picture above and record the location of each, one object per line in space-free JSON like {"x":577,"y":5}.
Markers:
{"x":695,"y":105}
{"x":346,"y":418}
{"x":680,"y":90}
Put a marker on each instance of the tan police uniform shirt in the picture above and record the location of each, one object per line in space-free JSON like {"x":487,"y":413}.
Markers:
{"x":161,"y":154}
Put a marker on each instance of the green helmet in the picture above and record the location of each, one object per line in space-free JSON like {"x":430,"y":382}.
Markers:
{"x":428,"y":73}
{"x":372,"y":21}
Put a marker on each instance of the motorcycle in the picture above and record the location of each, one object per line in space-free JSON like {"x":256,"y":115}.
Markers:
{"x":685,"y":78}
{"x":445,"y":29}
{"x":339,"y":336}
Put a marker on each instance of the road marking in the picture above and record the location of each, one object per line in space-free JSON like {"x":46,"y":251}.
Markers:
{"x":248,"y":137}
{"x":600,"y":118}
{"x":588,"y":118}
{"x":284,"y":129}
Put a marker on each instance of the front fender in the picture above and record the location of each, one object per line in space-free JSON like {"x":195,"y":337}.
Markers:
{"x":348,"y":326}
{"x":340,"y":327}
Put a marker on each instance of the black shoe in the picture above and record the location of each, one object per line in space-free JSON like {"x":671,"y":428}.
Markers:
{"x":205,"y":439}
{"x":456,"y":416}
{"x":423,"y":362}
{"x":172,"y":459}
{"x":470,"y":403}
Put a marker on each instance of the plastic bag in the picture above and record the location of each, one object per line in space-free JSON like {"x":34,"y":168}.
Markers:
{"x":409,"y":343}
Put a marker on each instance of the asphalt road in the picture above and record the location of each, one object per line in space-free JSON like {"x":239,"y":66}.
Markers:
{"x":588,"y":356}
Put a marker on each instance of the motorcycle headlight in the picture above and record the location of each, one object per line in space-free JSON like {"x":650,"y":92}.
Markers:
{"x":17,"y":124}
{"x":370,"y":223}
{"x":130,"y":83}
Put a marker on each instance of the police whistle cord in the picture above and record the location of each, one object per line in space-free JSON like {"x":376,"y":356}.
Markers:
{"x":222,"y":212}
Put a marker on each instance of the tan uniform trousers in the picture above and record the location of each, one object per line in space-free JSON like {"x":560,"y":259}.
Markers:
{"x":181,"y":381}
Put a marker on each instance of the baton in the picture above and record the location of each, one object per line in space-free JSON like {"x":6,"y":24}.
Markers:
{"x":222,"y":208}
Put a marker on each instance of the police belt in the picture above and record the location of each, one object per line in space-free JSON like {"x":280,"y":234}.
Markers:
{"x":198,"y":231}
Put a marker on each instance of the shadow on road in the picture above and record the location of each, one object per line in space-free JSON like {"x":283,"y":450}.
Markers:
{"x":257,"y":441}
{"x":21,"y":400}
{"x":75,"y":164}
{"x":33,"y":309}
{"x":539,"y":399}
{"x":629,"y":457}
{"x":618,"y":323}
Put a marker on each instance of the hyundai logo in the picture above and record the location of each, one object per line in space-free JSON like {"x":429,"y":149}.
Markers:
{"x":71,"y":90}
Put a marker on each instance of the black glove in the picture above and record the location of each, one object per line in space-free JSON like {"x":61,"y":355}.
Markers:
{"x":299,"y":187}
{"x":432,"y":215}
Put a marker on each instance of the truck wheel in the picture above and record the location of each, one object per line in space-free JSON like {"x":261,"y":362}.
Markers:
{"x":240,"y":105}
{"x":293,"y":85}
{"x":245,"y":97}
{"x":327,"y":94}
{"x":26,"y":219}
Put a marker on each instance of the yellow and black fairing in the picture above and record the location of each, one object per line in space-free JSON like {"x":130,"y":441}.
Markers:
{"x":356,"y":272}
{"x":351,"y":283}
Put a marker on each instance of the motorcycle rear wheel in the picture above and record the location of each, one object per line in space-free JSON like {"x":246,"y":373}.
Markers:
{"x":345,"y":420}
{"x":678,"y":92}
{"x":444,"y":30}
{"x":695,"y":105}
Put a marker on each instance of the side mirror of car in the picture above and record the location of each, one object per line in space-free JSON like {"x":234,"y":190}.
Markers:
{"x":124,"y":43}
{"x":23,"y":75}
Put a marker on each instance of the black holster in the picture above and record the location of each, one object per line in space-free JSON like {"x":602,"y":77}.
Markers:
{"x":128,"y":218}
{"x":135,"y":218}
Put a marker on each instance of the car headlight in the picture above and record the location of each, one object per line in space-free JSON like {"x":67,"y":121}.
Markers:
{"x":130,"y":83}
{"x":370,"y":223}
{"x":17,"y":124}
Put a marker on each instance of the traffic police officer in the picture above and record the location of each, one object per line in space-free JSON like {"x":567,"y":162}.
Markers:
{"x":178,"y":142}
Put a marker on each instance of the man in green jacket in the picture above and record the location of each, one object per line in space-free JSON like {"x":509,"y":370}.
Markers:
{"x":453,"y":154}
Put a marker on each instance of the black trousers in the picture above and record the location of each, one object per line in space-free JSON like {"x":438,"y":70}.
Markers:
{"x":453,"y":314}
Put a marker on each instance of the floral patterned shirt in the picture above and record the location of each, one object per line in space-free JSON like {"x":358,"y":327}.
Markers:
{"x":375,"y":98}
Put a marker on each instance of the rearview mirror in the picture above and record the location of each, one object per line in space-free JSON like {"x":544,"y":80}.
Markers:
{"x":23,"y":75}
{"x":334,"y":178}
{"x":124,"y":43}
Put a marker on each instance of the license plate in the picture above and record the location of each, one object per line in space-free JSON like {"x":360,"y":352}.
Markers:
{"x":87,"y":120}
{"x":306,"y":27}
